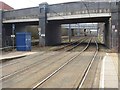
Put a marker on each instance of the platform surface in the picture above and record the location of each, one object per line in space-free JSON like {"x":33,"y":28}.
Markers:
{"x":15,"y":54}
{"x":109,"y":71}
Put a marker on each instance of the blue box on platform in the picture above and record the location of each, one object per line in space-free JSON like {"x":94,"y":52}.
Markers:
{"x":23,"y":41}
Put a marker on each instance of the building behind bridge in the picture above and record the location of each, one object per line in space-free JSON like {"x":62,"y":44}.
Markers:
{"x":5,"y":7}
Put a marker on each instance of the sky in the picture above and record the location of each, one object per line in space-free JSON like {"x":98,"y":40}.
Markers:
{"x":17,"y":4}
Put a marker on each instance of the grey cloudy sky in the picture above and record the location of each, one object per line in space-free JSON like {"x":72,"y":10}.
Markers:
{"x":17,"y":4}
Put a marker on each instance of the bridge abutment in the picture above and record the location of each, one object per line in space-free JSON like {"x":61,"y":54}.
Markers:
{"x":119,"y":27}
{"x":1,"y":29}
{"x":114,"y":28}
{"x":49,"y":31}
{"x":107,"y":33}
{"x":6,"y":35}
{"x":53,"y":34}
{"x":43,"y":8}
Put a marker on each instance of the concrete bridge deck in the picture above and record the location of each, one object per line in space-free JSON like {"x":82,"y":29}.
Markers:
{"x":67,"y":17}
{"x":73,"y":12}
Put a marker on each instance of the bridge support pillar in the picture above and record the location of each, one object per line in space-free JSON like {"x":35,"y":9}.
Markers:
{"x":119,"y":26}
{"x":6,"y":35}
{"x":114,"y":28}
{"x":53,"y":34}
{"x":42,"y":23}
{"x":0,"y":29}
{"x":72,"y":32}
{"x":107,"y":33}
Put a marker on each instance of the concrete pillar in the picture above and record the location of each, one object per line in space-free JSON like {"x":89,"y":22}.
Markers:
{"x":119,"y":43}
{"x":119,"y":26}
{"x":107,"y":34}
{"x":114,"y":28}
{"x":53,"y":34}
{"x":7,"y":32}
{"x":0,"y":29}
{"x":72,"y":32}
{"x":101,"y":30}
{"x":43,"y":8}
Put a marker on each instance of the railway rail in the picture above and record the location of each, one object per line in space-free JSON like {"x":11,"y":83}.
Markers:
{"x":41,"y":53}
{"x":60,"y":68}
{"x":84,"y":75}
{"x":45,"y":72}
{"x":7,"y":75}
{"x":72,"y":44}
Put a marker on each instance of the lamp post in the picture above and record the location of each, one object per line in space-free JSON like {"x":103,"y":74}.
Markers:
{"x":13,"y":35}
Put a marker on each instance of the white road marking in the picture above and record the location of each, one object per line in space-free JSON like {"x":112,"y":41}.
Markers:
{"x":102,"y":72}
{"x":107,"y":54}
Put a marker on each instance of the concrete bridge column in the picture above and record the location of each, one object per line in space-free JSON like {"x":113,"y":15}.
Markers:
{"x":53,"y":34}
{"x":107,"y":34}
{"x":72,"y":32}
{"x":42,"y":23}
{"x":0,"y":29}
{"x":119,"y":27}
{"x":6,"y":35}
{"x":114,"y":28}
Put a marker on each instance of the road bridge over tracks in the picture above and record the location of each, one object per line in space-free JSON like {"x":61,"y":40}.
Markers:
{"x":48,"y":18}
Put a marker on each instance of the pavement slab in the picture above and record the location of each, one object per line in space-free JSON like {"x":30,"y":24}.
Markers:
{"x":109,"y":71}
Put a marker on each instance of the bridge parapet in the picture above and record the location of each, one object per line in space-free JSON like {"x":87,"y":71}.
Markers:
{"x":74,"y":8}
{"x":21,"y":14}
{"x":79,"y":12}
{"x":64,"y":9}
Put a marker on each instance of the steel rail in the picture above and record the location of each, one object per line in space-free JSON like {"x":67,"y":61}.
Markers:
{"x":75,"y":46}
{"x":29,"y":66}
{"x":69,"y":45}
{"x":57,"y":70}
{"x":40,"y":54}
{"x":86,"y":71}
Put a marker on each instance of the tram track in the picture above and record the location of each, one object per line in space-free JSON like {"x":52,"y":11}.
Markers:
{"x":85,"y":73}
{"x":42,"y":72}
{"x":31,"y":57}
{"x":18,"y":71}
{"x":82,"y":76}
{"x":70,"y":46}
{"x":58,"y":69}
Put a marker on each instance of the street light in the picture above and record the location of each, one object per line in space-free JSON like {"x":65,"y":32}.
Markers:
{"x":13,"y":35}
